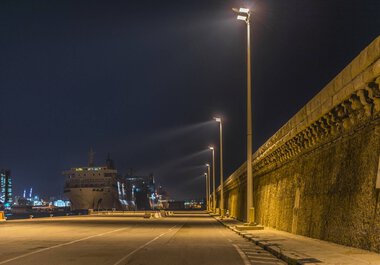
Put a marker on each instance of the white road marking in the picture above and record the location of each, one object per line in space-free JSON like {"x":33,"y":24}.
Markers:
{"x":172,"y":228}
{"x":142,"y":246}
{"x":59,"y":245}
{"x":242,"y":255}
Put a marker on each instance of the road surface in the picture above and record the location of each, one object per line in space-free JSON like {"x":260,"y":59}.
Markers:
{"x":91,"y":240}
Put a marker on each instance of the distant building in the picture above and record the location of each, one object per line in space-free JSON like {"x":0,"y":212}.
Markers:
{"x":6,"y":193}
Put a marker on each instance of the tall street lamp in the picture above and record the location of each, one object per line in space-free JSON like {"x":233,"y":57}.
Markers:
{"x":208,"y":186}
{"x":206,"y":201}
{"x":219,"y":120}
{"x":213,"y":179}
{"x":244,"y":14}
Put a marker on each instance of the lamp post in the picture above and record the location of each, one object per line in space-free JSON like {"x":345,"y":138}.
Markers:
{"x":244,"y":14}
{"x":208,"y":187}
{"x":206,"y":201}
{"x":219,"y":120}
{"x":213,"y":179}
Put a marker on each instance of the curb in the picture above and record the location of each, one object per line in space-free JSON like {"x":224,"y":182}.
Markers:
{"x":290,"y":258}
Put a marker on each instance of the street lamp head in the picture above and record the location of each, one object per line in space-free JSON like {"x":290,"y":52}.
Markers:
{"x":240,"y":17}
{"x":218,"y":119}
{"x":242,"y":13}
{"x":241,"y":10}
{"x":244,"y":10}
{"x":205,"y":174}
{"x":207,"y":165}
{"x":211,"y":147}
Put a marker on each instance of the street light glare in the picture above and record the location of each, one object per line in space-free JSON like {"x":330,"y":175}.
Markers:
{"x":211,"y":147}
{"x":218,"y":119}
{"x":239,"y":17}
{"x":243,"y":10}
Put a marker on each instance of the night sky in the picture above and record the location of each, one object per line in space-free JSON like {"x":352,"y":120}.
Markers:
{"x":142,"y":80}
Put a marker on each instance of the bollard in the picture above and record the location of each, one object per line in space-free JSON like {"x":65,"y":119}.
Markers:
{"x":2,"y":216}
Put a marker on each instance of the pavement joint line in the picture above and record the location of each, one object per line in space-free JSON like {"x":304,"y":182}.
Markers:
{"x":144,"y":245}
{"x":59,"y":245}
{"x":277,"y":254}
{"x":242,"y":255}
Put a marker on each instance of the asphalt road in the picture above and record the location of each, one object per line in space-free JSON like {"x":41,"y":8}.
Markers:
{"x":181,"y":239}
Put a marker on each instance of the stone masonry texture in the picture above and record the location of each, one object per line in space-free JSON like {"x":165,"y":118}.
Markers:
{"x":317,"y":175}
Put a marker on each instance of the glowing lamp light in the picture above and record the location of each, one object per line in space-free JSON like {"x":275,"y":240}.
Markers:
{"x":239,"y":17}
{"x":211,"y":147}
{"x":243,"y":10}
{"x":217,"y":119}
{"x":207,"y":165}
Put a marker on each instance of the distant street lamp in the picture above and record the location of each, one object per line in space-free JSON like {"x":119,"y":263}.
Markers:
{"x":206,"y":201}
{"x":213,"y":180}
{"x":208,"y":187}
{"x":245,"y":15}
{"x":219,"y":120}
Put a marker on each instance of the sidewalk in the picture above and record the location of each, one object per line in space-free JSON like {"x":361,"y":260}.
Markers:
{"x":296,"y":249}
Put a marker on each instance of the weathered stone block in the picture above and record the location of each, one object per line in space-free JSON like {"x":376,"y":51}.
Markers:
{"x":376,"y":68}
{"x":338,"y":83}
{"x":327,"y":105}
{"x":346,"y":75}
{"x":357,"y":65}
{"x":373,"y":51}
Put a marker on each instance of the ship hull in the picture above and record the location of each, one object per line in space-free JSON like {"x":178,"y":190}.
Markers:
{"x":90,"y":198}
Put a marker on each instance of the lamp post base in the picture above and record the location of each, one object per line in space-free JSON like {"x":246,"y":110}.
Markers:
{"x":251,"y":215}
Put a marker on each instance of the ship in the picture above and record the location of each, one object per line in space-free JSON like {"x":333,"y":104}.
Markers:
{"x":95,"y":187}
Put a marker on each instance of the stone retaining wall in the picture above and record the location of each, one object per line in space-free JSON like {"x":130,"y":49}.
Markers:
{"x":317,"y":175}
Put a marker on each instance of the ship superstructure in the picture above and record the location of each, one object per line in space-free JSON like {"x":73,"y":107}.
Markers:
{"x":98,"y":188}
